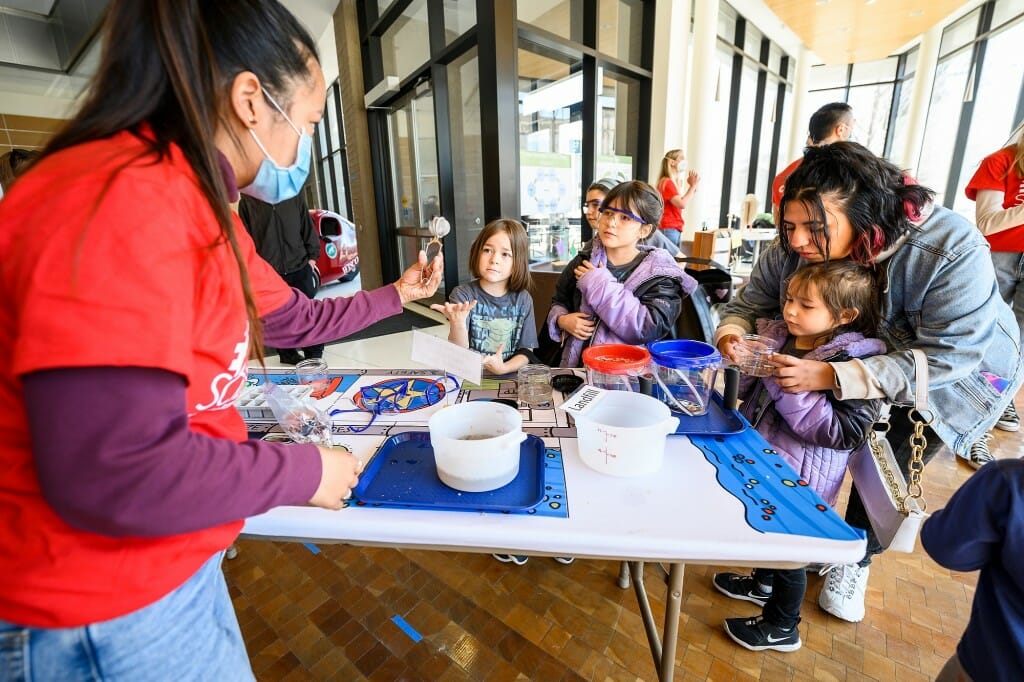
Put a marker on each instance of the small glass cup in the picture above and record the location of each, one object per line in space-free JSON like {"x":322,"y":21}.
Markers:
{"x":534,"y":383}
{"x":753,"y":355}
{"x":314,"y":373}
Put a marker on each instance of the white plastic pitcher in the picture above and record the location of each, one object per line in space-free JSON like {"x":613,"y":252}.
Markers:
{"x":623,"y":434}
{"x":476,"y":445}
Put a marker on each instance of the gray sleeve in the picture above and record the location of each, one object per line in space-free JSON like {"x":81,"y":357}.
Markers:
{"x":462,"y":294}
{"x":528,"y":337}
{"x":762,"y":295}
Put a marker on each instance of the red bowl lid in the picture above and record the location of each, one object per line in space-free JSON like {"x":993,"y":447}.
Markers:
{"x":616,"y":358}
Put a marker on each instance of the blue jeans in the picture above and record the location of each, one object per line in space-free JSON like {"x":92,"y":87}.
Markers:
{"x":674,"y":236}
{"x":1009,"y":269}
{"x":190,"y":634}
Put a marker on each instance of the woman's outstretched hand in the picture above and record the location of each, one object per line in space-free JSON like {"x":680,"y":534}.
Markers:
{"x":796,"y":375}
{"x":421,"y":280}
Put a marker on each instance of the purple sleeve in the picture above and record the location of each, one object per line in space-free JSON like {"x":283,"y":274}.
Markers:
{"x":304,"y":322}
{"x":618,"y":307}
{"x":114,"y":455}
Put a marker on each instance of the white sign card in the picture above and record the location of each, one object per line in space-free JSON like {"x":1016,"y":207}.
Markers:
{"x":437,"y":353}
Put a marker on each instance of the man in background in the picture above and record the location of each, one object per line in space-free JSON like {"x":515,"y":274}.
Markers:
{"x":831,"y":123}
{"x":286,"y":237}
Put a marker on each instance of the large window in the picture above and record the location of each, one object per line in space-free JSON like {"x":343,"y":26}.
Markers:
{"x":1003,"y":64}
{"x":584,"y":111}
{"x":332,"y":165}
{"x":753,"y":79}
{"x":869,"y":88}
{"x":467,"y":157}
{"x":979,"y":61}
{"x":550,"y":153}
{"x":486,"y":108}
{"x":404,"y":46}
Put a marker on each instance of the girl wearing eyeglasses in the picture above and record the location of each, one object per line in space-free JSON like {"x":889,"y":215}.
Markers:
{"x":620,"y":290}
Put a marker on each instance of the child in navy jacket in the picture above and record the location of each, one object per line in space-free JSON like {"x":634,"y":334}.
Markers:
{"x":982,"y":527}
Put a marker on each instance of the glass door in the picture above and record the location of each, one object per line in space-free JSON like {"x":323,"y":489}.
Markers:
{"x":416,"y":197}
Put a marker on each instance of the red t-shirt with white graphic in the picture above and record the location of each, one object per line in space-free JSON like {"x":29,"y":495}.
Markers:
{"x":998,"y":173}
{"x":122,"y":270}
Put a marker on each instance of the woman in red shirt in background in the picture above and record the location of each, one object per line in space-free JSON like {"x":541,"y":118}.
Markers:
{"x":675,"y":201}
{"x":997,"y":189}
{"x":132,"y":302}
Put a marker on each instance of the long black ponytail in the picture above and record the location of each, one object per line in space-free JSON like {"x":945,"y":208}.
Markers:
{"x":170,"y":64}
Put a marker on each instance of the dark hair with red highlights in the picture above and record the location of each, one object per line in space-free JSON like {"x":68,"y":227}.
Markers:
{"x":881,"y":201}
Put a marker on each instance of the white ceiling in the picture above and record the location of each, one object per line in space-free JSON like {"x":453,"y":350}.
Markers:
{"x":28,"y":92}
{"x":43,"y":7}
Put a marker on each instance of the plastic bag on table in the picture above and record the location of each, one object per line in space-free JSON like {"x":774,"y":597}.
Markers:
{"x":301,"y":420}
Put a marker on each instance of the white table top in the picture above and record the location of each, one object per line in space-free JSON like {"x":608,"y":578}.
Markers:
{"x":679,"y":514}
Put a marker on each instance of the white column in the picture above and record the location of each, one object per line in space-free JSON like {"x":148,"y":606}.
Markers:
{"x":917,"y":115}
{"x":799,"y":117}
{"x":671,"y":31}
{"x":701,"y":150}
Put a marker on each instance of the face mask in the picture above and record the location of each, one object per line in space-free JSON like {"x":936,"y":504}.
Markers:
{"x":274,"y":184}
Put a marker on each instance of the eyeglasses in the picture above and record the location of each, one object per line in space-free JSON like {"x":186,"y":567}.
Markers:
{"x":609,"y":214}
{"x":591,"y":205}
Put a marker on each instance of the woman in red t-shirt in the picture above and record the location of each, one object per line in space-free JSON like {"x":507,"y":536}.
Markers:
{"x":132,"y":302}
{"x":668,"y":185}
{"x":997,"y":188}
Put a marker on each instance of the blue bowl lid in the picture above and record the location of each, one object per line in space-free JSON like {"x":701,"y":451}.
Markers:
{"x":684,"y":354}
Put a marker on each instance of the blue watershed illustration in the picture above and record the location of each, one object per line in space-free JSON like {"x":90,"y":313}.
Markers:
{"x":774,"y":498}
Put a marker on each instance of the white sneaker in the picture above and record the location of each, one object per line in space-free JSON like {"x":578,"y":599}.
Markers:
{"x":842,"y":595}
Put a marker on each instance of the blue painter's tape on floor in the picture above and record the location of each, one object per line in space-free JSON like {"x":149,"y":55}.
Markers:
{"x":312,"y":548}
{"x":406,"y":628}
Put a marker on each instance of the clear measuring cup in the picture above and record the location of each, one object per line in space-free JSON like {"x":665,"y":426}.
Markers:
{"x":685,"y":371}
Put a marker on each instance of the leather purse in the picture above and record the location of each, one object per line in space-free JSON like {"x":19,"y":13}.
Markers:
{"x":895,"y":507}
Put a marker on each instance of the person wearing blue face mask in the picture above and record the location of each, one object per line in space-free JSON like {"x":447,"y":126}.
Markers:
{"x":274,"y":212}
{"x":126,"y":328}
{"x":274,"y":183}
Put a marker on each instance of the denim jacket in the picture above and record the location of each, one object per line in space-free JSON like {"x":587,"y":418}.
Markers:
{"x":939,"y":294}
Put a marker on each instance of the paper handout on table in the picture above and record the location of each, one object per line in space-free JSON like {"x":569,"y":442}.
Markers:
{"x":437,"y":353}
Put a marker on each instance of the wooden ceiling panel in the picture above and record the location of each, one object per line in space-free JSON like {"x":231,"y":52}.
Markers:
{"x":851,"y":31}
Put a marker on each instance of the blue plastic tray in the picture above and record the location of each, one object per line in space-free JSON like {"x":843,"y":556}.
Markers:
{"x":402,"y":472}
{"x":717,"y":421}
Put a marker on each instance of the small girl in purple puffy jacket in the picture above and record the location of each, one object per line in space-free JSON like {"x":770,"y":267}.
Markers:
{"x":829,"y":308}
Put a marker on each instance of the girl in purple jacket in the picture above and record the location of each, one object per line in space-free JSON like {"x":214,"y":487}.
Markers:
{"x":828,"y":310}
{"x":621,"y":291}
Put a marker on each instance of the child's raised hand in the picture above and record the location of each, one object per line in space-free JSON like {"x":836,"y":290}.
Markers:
{"x":692,"y":178}
{"x":455,"y":312}
{"x":578,"y":324}
{"x":583,"y":268}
